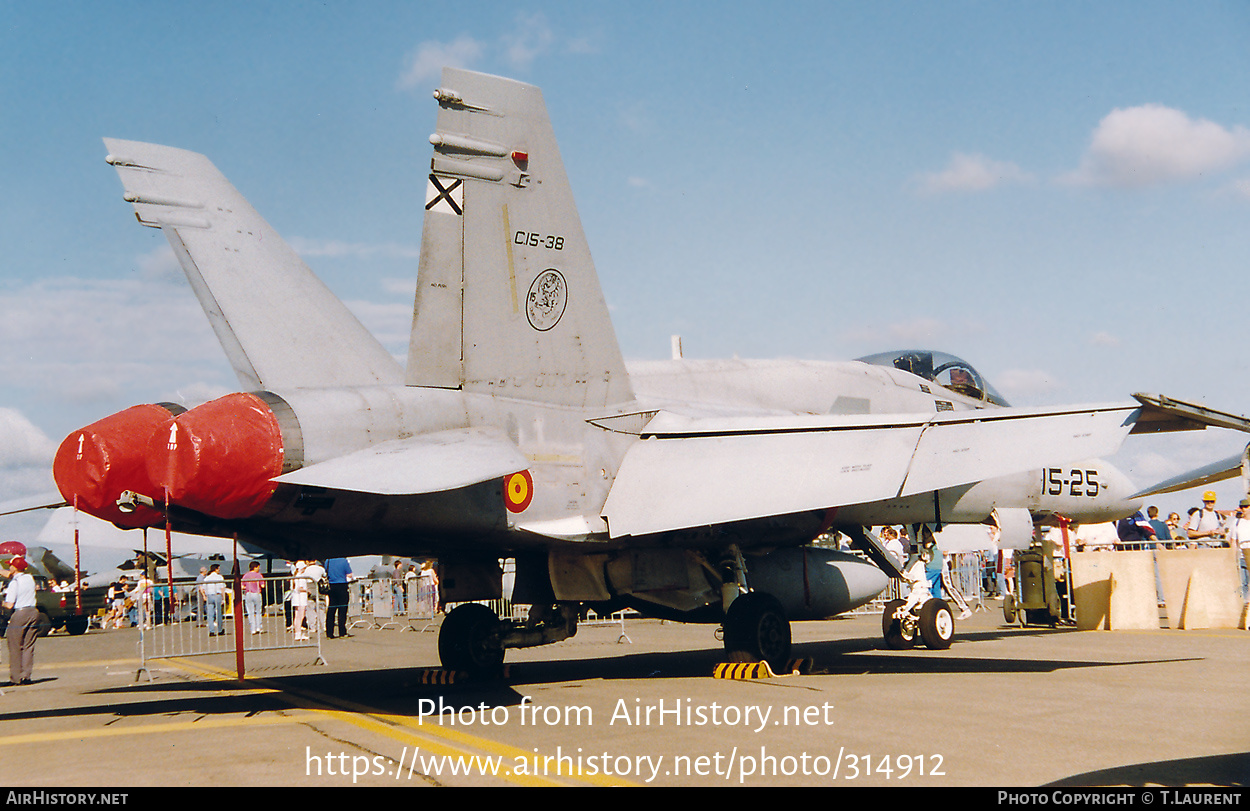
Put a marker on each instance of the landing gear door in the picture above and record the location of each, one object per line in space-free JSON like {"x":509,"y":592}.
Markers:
{"x":1015,"y":527}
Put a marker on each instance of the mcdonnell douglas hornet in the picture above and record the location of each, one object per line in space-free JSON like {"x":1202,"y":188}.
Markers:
{"x":686,"y":490}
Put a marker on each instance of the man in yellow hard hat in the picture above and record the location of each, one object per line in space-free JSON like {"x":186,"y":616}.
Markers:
{"x":1208,"y":522}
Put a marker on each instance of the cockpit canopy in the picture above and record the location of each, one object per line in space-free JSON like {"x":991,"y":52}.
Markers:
{"x":942,"y":368}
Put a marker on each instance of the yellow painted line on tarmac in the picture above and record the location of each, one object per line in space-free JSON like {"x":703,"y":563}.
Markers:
{"x":133,"y":663}
{"x":433,"y":738}
{"x":148,"y":729}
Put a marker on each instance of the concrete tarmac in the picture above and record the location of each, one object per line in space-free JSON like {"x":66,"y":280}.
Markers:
{"x":1004,"y":706}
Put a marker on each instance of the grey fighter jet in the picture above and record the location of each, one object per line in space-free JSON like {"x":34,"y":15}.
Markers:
{"x":682,"y":489}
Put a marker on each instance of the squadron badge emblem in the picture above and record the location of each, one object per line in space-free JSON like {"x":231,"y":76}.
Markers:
{"x":546,"y":300}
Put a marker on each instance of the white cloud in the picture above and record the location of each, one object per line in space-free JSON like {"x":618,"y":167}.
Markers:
{"x":82,"y":341}
{"x":426,"y":63}
{"x":21,"y":442}
{"x":531,"y":38}
{"x":400,"y":287}
{"x":1153,"y":144}
{"x":971,"y":173}
{"x":160,"y":264}
{"x":390,"y":323}
{"x":25,"y":460}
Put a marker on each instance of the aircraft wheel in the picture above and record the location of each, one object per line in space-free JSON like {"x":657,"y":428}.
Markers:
{"x":756,"y":624}
{"x":897,"y":635}
{"x":937,"y":624}
{"x":1009,"y":609}
{"x":44,"y":624}
{"x":77,"y":626}
{"x":466,"y":640}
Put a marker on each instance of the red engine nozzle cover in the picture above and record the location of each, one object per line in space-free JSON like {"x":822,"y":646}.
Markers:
{"x":94,"y":465}
{"x":219,"y":458}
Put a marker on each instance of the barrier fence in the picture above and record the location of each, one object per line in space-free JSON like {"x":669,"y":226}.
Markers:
{"x":196,"y":623}
{"x":383,"y":603}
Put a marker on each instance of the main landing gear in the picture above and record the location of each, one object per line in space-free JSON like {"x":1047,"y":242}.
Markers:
{"x":756,"y":626}
{"x":473,"y":638}
{"x":469,"y":639}
{"x":932,"y":622}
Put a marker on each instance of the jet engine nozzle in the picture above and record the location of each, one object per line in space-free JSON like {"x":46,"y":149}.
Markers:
{"x":94,"y":465}
{"x":219,"y":458}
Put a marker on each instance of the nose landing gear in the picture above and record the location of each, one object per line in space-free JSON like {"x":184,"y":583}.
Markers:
{"x":932,"y":623}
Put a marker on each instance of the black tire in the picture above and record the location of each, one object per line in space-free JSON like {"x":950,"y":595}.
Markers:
{"x":467,"y":642}
{"x":756,"y":625}
{"x":1009,"y":609}
{"x":44,"y":624}
{"x":937,"y":624}
{"x":896,"y":636}
{"x":77,"y":626}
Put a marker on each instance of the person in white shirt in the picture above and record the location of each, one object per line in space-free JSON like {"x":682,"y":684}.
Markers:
{"x":315,"y":574}
{"x":215,"y":597}
{"x":1208,"y":522}
{"x":24,"y":623}
{"x":1239,"y":538}
{"x":299,"y":601}
{"x":889,"y":539}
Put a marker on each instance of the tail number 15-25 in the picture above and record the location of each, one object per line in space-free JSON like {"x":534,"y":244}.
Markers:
{"x":1076,"y":483}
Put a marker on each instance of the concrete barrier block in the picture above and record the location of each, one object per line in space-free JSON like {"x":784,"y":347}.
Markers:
{"x":1134,"y":604}
{"x":1114,"y":590}
{"x":1201,"y":587}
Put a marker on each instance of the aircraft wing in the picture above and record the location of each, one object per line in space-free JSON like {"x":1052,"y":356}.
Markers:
{"x":1167,"y":410}
{"x":42,"y":501}
{"x":696,"y":472}
{"x":274,"y":318}
{"x":427,"y":463}
{"x":1186,"y":415}
{"x":1207,"y":474}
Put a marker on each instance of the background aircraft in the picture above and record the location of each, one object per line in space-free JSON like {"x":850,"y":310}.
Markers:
{"x":685,"y":490}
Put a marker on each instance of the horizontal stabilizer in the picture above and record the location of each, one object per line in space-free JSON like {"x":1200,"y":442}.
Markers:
{"x":279,"y":325}
{"x":1207,"y":474}
{"x":700,"y":472}
{"x":428,"y":463}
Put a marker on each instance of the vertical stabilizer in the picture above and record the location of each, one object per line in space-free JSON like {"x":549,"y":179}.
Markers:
{"x":508,"y":301}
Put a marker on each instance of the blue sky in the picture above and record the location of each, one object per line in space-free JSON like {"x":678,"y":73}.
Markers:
{"x":1058,"y":192}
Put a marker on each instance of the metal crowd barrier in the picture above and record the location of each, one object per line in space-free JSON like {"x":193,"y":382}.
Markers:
{"x":182,"y":628}
{"x":615,"y":618}
{"x":381,"y":603}
{"x":967,"y":573}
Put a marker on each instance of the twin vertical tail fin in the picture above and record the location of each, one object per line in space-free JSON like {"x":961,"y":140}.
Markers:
{"x":508,"y":301}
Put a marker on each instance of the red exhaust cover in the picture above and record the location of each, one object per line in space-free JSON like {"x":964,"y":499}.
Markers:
{"x":219,"y":457}
{"x":95,"y":464}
